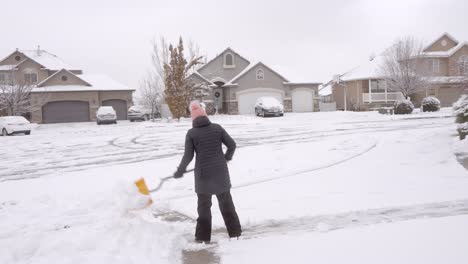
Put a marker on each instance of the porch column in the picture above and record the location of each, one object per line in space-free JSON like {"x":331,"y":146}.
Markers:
{"x":386,"y":92}
{"x":370,"y":91}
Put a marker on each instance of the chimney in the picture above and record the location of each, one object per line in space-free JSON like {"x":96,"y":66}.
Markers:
{"x":38,"y":50}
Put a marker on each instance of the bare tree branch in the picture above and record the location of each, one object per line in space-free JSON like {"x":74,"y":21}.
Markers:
{"x":18,"y":98}
{"x":404,"y":67}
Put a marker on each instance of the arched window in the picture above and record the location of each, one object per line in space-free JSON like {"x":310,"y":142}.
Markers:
{"x":463,"y":64}
{"x":229,"y":60}
{"x":260,"y":74}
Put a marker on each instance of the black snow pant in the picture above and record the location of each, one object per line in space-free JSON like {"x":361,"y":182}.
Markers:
{"x":226,"y":206}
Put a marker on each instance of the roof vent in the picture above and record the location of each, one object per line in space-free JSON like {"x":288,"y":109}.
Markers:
{"x":38,"y":50}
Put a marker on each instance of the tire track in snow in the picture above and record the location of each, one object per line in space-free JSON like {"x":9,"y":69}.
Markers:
{"x":332,"y":222}
{"x":126,"y":157}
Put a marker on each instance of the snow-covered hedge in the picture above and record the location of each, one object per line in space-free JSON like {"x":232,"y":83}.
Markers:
{"x":462,"y":130}
{"x":460,"y":109}
{"x":430,"y":104}
{"x":403,"y":107}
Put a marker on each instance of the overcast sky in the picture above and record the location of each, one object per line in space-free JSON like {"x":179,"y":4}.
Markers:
{"x":303,"y":40}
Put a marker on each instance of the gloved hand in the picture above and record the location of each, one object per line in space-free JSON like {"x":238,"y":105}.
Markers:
{"x":178,"y":174}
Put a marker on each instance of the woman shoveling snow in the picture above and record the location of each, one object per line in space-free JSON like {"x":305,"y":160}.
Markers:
{"x":211,"y":172}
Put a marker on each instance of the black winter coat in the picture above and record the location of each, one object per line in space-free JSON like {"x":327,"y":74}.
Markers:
{"x":211,"y":171}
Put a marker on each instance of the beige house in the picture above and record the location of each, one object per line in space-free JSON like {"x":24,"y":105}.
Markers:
{"x":234,"y":84}
{"x":61,"y":92}
{"x":363,"y":87}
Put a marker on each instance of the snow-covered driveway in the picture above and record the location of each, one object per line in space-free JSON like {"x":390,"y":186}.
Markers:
{"x":302,"y":179}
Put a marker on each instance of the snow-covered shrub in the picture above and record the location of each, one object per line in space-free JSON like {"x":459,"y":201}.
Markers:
{"x":403,"y":107}
{"x":430,"y":104}
{"x":462,"y":130}
{"x":460,"y":109}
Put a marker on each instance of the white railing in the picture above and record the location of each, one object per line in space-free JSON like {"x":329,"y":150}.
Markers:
{"x":382,"y":97}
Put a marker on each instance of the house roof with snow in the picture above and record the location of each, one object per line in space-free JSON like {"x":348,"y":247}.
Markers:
{"x":367,"y":70}
{"x":232,"y":80}
{"x":91,"y":82}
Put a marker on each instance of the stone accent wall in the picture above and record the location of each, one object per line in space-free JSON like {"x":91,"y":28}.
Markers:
{"x":287,"y":103}
{"x":230,"y":108}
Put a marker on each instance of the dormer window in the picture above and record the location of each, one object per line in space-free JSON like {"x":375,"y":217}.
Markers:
{"x":229,"y":61}
{"x":30,"y":78}
{"x":260,"y":74}
{"x":434,"y":65}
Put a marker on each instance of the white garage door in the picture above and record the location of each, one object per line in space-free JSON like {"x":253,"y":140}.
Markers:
{"x":302,"y":100}
{"x":246,"y":100}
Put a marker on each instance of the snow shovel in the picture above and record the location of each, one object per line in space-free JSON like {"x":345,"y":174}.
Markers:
{"x":143,"y":188}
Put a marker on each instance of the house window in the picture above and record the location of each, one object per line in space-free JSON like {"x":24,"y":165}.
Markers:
{"x":434,"y":66}
{"x":463,"y":64}
{"x":5,"y":78}
{"x":30,"y":77}
{"x":260,"y":74}
{"x":378,"y":86}
{"x":229,"y":61}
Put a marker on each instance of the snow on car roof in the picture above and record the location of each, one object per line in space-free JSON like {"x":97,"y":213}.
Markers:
{"x":16,"y":119}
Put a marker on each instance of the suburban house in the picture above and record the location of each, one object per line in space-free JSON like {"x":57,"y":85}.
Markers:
{"x":62,"y":92}
{"x":234,"y":84}
{"x":363,"y":87}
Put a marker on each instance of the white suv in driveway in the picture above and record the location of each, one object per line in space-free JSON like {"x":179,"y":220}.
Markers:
{"x":10,"y":125}
{"x":106,"y":115}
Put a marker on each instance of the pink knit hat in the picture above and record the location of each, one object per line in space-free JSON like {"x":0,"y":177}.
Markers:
{"x":196,"y":110}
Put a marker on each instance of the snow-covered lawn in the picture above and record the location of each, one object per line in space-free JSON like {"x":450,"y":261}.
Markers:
{"x":319,"y":187}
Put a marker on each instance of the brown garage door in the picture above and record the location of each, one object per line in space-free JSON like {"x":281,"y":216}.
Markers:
{"x":120,"y":107}
{"x":65,"y":111}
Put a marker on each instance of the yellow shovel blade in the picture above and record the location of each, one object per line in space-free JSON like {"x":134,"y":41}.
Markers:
{"x":143,"y":189}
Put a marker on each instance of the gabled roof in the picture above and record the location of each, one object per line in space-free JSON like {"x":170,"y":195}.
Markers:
{"x":202,"y":77}
{"x":98,"y":82}
{"x":445,"y":34}
{"x":48,"y":60}
{"x":368,"y":70}
{"x":224,"y":51}
{"x":248,"y":69}
{"x":444,"y":54}
{"x":45,"y":59}
{"x":58,"y":72}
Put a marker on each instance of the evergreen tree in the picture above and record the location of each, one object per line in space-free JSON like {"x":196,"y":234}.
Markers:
{"x":179,"y":91}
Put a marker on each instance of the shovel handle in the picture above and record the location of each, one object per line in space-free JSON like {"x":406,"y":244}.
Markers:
{"x":163,"y":180}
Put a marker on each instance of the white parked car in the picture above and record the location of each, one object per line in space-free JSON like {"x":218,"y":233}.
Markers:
{"x":10,"y":125}
{"x":268,"y":106}
{"x":106,"y":115}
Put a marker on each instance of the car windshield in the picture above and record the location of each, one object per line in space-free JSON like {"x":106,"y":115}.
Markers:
{"x":14,"y":120}
{"x":270,"y":101}
{"x":106,"y":110}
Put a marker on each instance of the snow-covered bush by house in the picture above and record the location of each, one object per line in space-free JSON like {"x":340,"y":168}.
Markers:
{"x":462,"y":130}
{"x":460,"y":109}
{"x":430,"y":104}
{"x":403,"y":107}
